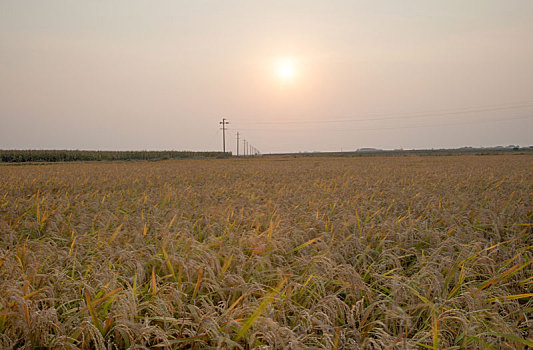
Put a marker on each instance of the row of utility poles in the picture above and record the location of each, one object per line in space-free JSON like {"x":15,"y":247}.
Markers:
{"x":248,"y":149}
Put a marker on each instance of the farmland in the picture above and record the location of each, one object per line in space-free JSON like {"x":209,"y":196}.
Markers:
{"x":335,"y":253}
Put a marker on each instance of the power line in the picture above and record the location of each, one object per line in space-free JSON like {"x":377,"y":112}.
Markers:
{"x":450,"y":124}
{"x":396,"y":116}
{"x":410,"y":126}
{"x":250,"y":150}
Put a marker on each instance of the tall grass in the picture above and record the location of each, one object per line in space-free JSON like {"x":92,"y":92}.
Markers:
{"x":369,"y":253}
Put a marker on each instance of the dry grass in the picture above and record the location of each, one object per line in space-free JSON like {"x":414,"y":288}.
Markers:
{"x":370,"y":253}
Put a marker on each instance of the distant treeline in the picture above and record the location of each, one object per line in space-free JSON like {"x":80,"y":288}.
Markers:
{"x":19,"y":156}
{"x":420,"y":152}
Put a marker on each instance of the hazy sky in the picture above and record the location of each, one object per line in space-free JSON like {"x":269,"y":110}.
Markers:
{"x":120,"y":75}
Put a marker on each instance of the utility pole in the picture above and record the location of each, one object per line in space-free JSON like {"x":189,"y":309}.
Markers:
{"x":224,"y":123}
{"x":237,"y":143}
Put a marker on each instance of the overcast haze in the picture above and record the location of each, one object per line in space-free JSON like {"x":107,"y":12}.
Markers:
{"x":133,"y":75}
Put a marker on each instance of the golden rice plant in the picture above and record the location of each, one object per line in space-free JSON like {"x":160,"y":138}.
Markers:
{"x":335,"y":253}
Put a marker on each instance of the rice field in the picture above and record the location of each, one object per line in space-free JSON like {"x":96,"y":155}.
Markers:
{"x":272,"y":253}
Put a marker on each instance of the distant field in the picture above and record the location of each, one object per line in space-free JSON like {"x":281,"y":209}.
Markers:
{"x":335,"y":253}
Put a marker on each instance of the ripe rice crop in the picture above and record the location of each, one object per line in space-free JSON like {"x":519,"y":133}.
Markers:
{"x":351,"y":253}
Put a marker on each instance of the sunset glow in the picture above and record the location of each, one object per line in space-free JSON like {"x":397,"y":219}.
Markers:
{"x":286,"y":69}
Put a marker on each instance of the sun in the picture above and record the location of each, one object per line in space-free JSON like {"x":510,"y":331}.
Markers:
{"x":286,"y":69}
